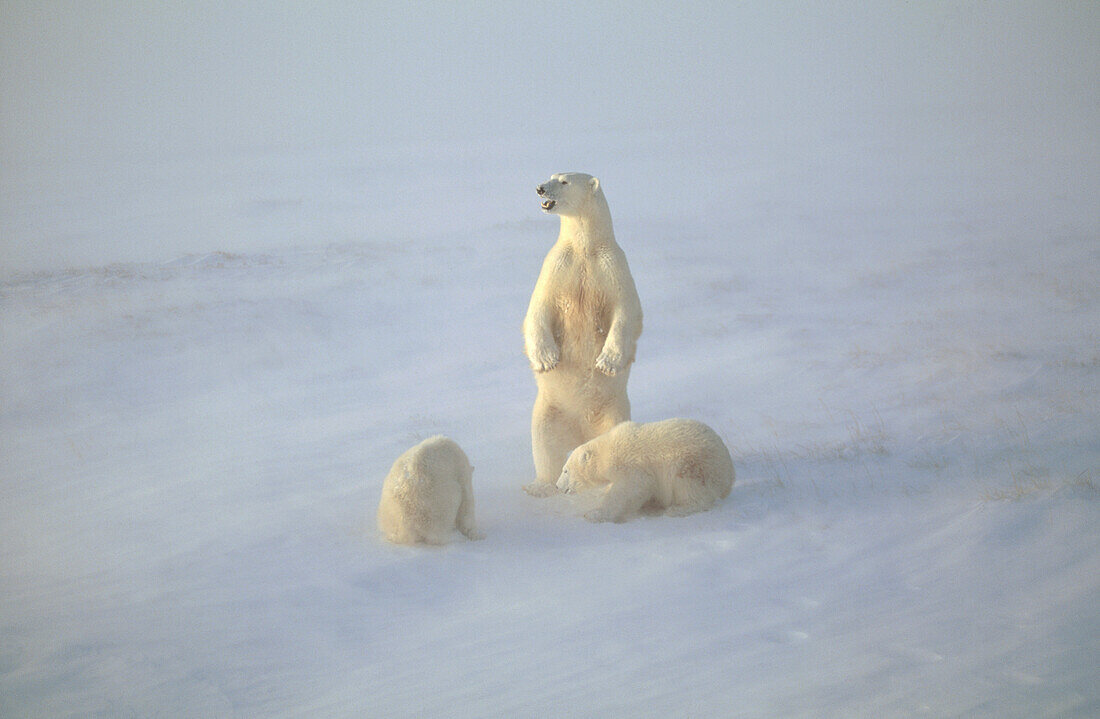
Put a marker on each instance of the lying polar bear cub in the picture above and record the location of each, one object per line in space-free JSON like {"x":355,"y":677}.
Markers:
{"x":428,"y":494}
{"x":678,"y":466}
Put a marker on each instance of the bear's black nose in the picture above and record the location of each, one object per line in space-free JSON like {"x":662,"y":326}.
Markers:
{"x":541,"y":189}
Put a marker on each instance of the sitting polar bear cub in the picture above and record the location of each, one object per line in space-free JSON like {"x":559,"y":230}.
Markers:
{"x":581,"y":328}
{"x":428,"y":494}
{"x":679,"y":466}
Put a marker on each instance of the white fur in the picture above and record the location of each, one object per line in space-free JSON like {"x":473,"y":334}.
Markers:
{"x":428,"y":494}
{"x":581,"y":328}
{"x":677,"y":466}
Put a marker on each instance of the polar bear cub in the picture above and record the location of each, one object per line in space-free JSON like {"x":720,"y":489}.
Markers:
{"x":678,"y":466}
{"x":428,"y":494}
{"x":581,"y":328}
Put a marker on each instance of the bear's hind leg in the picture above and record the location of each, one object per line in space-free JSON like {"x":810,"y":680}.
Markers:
{"x":465,"y":519}
{"x":553,"y":436}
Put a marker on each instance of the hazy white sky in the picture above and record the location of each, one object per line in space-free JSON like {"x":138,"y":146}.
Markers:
{"x":137,"y":131}
{"x":141,"y":77}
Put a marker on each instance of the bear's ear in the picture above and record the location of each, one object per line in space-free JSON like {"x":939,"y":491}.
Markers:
{"x":594,"y":184}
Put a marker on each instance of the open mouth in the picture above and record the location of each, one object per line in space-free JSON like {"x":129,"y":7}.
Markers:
{"x":548,"y":205}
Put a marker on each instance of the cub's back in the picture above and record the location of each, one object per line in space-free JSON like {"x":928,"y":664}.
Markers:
{"x":423,"y":491}
{"x":687,"y":444}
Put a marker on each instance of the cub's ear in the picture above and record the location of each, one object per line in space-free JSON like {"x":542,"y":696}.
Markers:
{"x":594,"y":184}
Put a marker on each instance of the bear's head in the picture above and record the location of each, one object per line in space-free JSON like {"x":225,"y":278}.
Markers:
{"x":579,"y":470}
{"x":568,"y":194}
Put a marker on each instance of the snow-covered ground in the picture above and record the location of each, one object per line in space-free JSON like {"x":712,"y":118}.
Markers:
{"x":209,"y":362}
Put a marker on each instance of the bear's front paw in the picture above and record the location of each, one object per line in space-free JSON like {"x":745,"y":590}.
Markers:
{"x":544,"y":359}
{"x":473,"y":534}
{"x":609,"y":362}
{"x":540,"y":489}
{"x":599,"y":514}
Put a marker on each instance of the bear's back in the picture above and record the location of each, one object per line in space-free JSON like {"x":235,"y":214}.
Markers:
{"x":422,"y":493}
{"x":693,"y":456}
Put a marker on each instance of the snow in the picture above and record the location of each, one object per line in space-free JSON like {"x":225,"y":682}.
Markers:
{"x":876,"y":280}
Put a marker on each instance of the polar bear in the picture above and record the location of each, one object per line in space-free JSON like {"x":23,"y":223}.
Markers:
{"x":678,"y":466}
{"x":581,"y":328}
{"x":428,"y":494}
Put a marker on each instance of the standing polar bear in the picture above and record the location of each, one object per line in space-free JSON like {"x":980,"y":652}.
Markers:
{"x":679,"y":466}
{"x":581,"y":328}
{"x":428,"y":494}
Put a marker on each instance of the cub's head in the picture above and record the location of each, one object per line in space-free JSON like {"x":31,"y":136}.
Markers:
{"x":579,"y":470}
{"x":568,"y":193}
